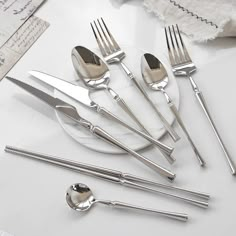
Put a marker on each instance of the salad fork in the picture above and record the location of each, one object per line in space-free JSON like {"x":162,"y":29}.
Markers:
{"x":182,"y":65}
{"x":112,"y":53}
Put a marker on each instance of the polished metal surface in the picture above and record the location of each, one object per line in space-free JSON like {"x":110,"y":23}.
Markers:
{"x":72,"y":113}
{"x":112,"y":53}
{"x":81,"y":95}
{"x":80,"y":198}
{"x":95,"y":74}
{"x":114,"y":176}
{"x":155,"y":76}
{"x":182,"y":65}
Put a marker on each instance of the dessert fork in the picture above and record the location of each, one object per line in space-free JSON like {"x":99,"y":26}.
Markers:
{"x":112,"y":53}
{"x":182,"y":65}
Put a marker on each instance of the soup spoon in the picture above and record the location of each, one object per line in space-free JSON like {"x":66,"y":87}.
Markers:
{"x":95,"y":74}
{"x":155,"y":76}
{"x":80,"y":198}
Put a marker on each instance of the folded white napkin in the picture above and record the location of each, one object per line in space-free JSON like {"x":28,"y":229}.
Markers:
{"x":199,"y":19}
{"x":202,"y":19}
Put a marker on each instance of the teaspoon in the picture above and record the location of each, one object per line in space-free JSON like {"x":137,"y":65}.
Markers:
{"x":80,"y":198}
{"x":155,"y":76}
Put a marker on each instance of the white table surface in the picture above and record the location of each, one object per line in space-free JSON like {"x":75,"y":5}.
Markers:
{"x":32,"y":199}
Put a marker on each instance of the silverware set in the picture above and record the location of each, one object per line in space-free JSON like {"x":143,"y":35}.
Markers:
{"x":95,"y":75}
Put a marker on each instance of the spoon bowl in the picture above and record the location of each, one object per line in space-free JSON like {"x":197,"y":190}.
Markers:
{"x":79,"y":197}
{"x":93,"y":72}
{"x":153,"y":72}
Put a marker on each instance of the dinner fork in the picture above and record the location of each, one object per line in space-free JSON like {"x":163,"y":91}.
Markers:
{"x":182,"y":65}
{"x":112,"y":53}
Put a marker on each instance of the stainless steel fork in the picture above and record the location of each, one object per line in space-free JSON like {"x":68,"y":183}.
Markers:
{"x":112,"y":53}
{"x":182,"y":65}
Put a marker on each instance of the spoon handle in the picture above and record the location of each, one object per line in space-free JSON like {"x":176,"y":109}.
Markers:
{"x":167,"y":126}
{"x":180,"y":121}
{"x":110,"y":115}
{"x":107,"y":137}
{"x":126,"y":108}
{"x":173,"y":215}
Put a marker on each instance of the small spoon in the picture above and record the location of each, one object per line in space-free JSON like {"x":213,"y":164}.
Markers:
{"x":95,"y":74}
{"x":80,"y":198}
{"x":155,"y":76}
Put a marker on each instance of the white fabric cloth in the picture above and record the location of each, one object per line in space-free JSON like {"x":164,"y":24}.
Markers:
{"x":201,"y":20}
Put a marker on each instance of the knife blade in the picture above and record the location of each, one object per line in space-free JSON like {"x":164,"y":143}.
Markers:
{"x":81,"y":95}
{"x":76,"y":92}
{"x":71,"y":112}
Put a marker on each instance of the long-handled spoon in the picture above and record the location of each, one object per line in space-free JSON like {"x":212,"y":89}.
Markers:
{"x":155,"y":76}
{"x":80,"y":198}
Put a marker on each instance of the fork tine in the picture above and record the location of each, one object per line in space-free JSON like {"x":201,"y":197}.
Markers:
{"x":171,"y":56}
{"x":98,"y":41}
{"x":115,"y":44}
{"x":176,"y":57}
{"x":187,"y":57}
{"x":181,"y":56}
{"x":111,"y":47}
{"x":106,"y":47}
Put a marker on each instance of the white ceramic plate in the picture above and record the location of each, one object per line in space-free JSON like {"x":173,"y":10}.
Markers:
{"x":125,"y":88}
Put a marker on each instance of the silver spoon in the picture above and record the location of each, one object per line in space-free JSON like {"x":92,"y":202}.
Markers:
{"x":155,"y":76}
{"x":95,"y":74}
{"x":80,"y":198}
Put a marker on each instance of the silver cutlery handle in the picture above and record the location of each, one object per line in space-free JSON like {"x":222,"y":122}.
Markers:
{"x":110,"y":115}
{"x":105,"y":136}
{"x":101,"y":172}
{"x":126,"y":108}
{"x":173,"y":215}
{"x":180,"y":121}
{"x":203,"y":204}
{"x":135,"y":179}
{"x":202,"y":102}
{"x":167,"y":126}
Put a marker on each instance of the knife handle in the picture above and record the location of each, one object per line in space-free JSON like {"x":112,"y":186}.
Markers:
{"x":111,"y":116}
{"x":99,"y":132}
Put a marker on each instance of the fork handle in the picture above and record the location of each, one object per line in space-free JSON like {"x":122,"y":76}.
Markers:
{"x":202,"y":102}
{"x":110,"y":115}
{"x":126,"y":108}
{"x":167,"y":126}
{"x":108,"y":138}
